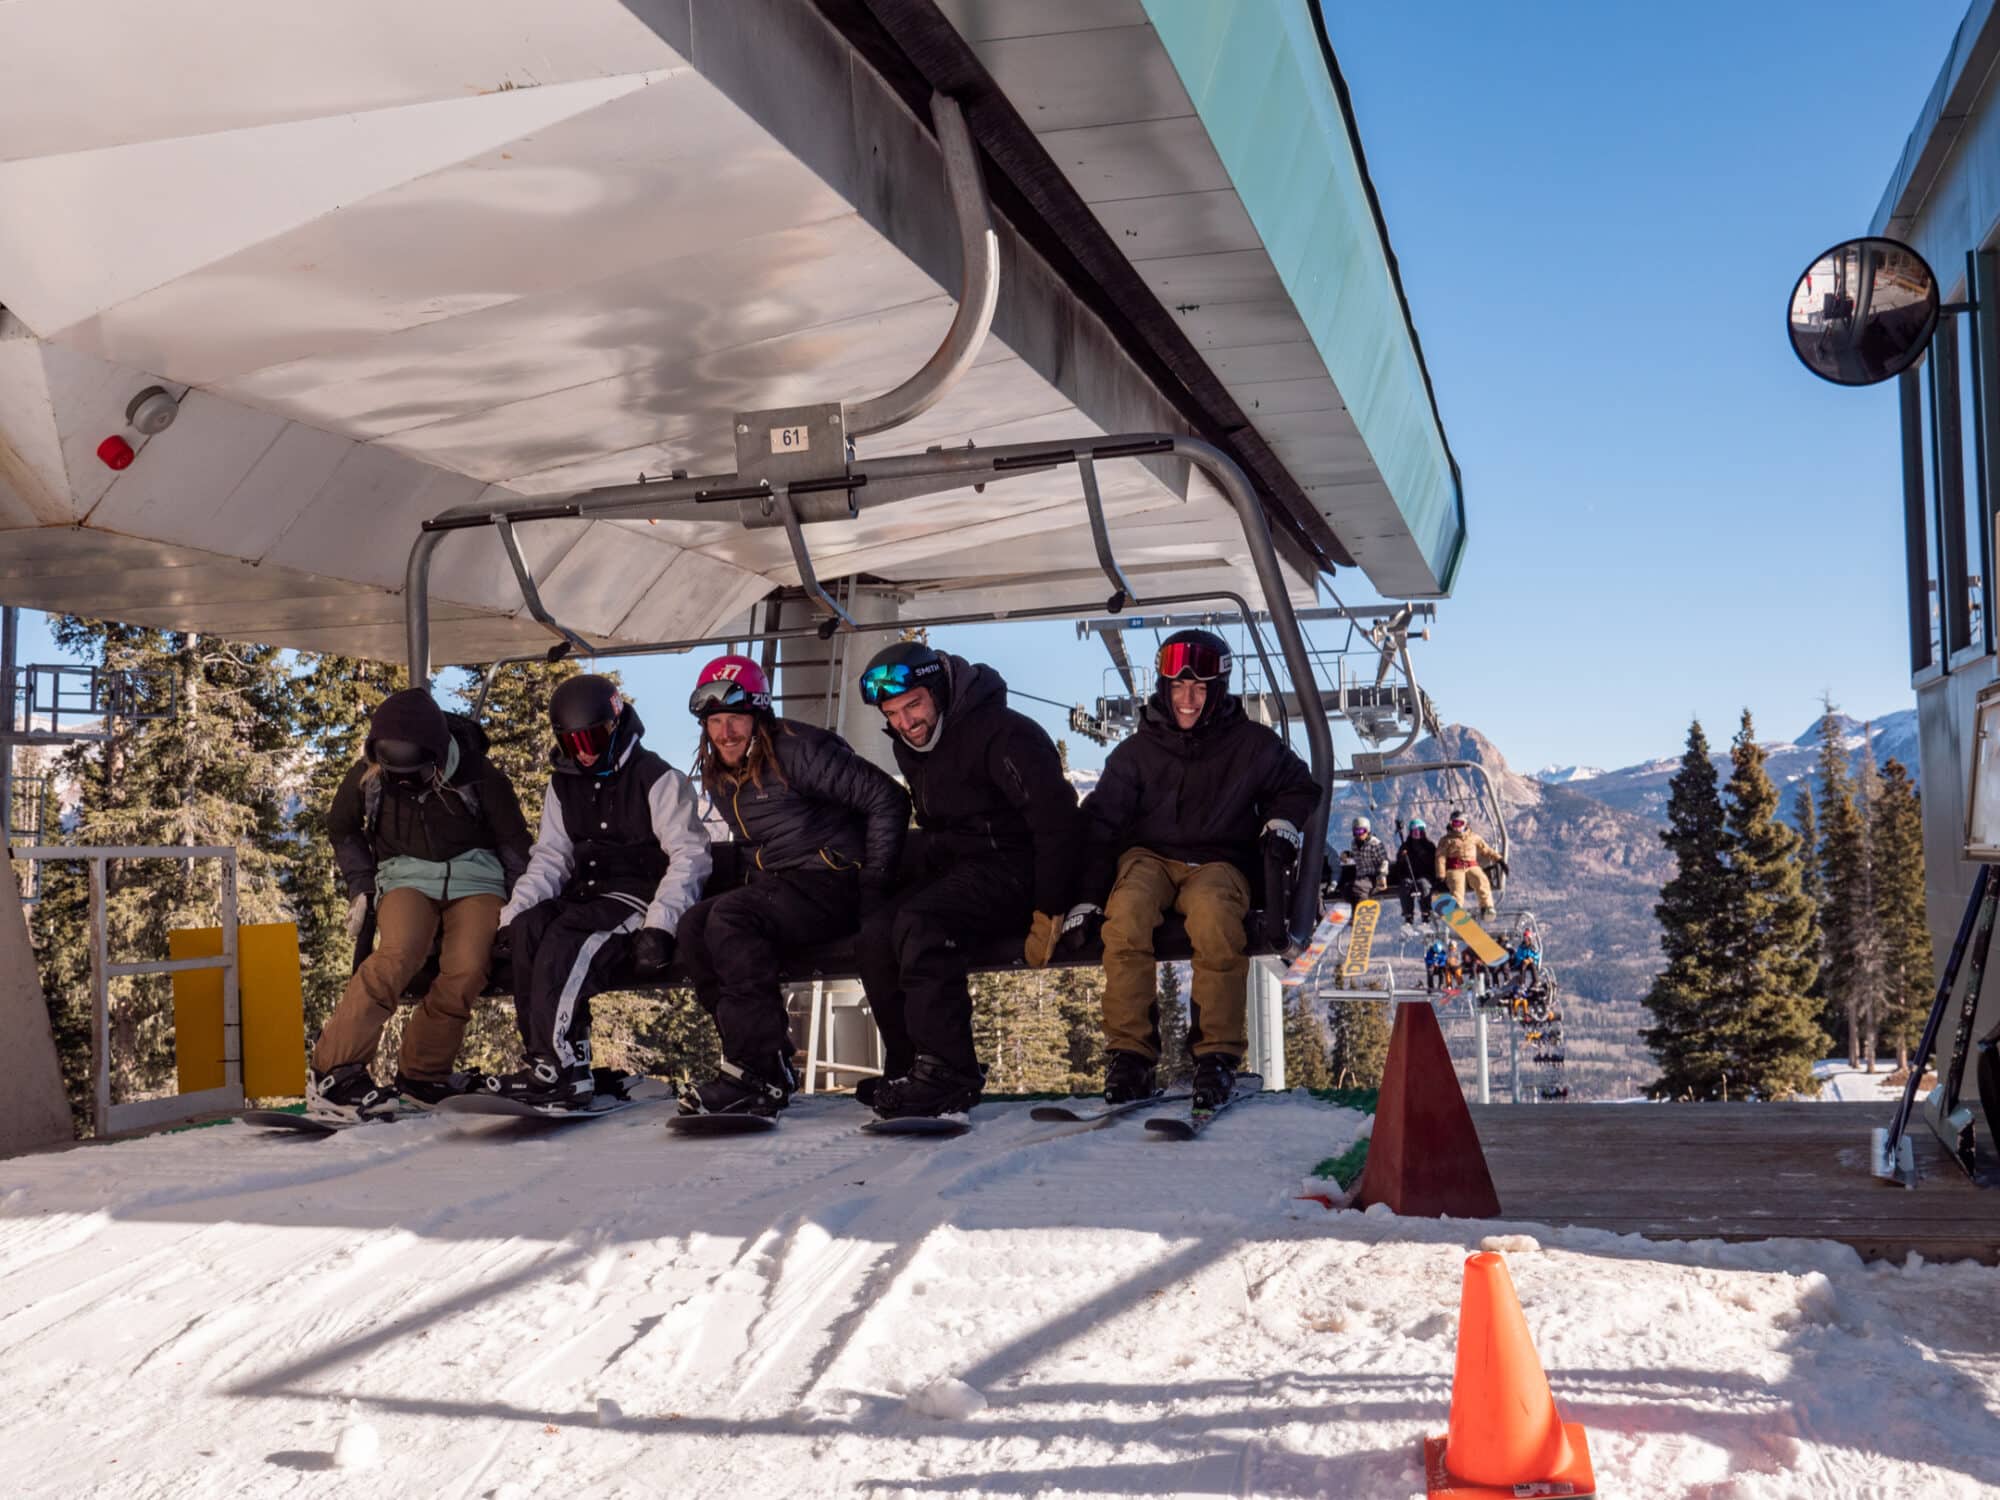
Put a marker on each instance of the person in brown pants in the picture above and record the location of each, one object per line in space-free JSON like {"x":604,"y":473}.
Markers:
{"x":1186,"y":810}
{"x":428,"y":834}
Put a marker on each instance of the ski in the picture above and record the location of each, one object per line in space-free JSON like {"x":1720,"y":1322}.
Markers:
{"x":933,"y":1125}
{"x":1469,"y":932}
{"x":1055,"y":1114}
{"x":516,"y":1109}
{"x":1187,"y":1127}
{"x":733,"y":1124}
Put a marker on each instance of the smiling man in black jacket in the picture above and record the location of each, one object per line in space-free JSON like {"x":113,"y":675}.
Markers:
{"x":815,"y":826}
{"x":1180,"y":820}
{"x":995,"y":855}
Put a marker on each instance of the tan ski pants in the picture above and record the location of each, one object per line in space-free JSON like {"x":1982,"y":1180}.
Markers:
{"x":405,"y":922}
{"x":1214,"y":899}
{"x":1472,"y":878}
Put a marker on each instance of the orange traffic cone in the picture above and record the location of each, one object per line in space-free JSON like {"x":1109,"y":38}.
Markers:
{"x":1505,"y":1438}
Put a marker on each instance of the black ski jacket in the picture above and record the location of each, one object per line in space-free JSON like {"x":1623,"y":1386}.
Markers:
{"x":1417,"y":859}
{"x":372,"y":821}
{"x":992,"y":784}
{"x":1199,"y":795}
{"x":826,"y":809}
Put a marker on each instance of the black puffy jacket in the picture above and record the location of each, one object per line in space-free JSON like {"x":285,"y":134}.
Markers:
{"x":827,"y":808}
{"x":992,"y":783}
{"x":1199,"y":795}
{"x":370,"y":823}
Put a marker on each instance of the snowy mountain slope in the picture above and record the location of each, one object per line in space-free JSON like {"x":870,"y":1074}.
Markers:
{"x":601,"y":1310}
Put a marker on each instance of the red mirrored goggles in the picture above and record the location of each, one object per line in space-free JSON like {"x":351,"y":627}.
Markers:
{"x":593,"y":740}
{"x":1194,"y":659}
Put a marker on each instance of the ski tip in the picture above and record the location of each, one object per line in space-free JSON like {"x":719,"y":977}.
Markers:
{"x":1171,"y":1128}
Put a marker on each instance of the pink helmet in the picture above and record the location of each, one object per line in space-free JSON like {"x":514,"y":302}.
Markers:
{"x":730,"y":685}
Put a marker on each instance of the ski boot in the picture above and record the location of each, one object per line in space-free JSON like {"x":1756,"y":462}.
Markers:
{"x":348,"y":1093}
{"x":547,"y":1084}
{"x":1214,"y":1080}
{"x":932,"y":1087}
{"x":429,"y":1093}
{"x":1128,"y":1077}
{"x":762,"y":1090}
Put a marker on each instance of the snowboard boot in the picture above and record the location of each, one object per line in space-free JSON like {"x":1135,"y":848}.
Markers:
{"x":933,"y":1087}
{"x":348,"y":1093}
{"x":866,"y":1090}
{"x":762,"y":1090}
{"x":429,"y":1093}
{"x":1214,"y":1080}
{"x":546,"y":1084}
{"x":1128,"y":1078}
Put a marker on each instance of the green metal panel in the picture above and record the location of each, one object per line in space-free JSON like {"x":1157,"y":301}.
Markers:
{"x":1260,"y":85}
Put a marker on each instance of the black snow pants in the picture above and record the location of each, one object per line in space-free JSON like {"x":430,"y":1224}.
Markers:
{"x":731,"y":946}
{"x":911,"y":956}
{"x":563,"y":953}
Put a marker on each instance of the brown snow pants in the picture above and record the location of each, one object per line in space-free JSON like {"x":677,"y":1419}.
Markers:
{"x":405,"y":922}
{"x":1472,"y":878}
{"x":1214,"y":898}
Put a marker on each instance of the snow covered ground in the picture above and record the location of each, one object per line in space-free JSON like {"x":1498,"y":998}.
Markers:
{"x":431,"y":1309}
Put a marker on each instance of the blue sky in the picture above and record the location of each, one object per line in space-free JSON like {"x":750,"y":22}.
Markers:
{"x":1600,"y":211}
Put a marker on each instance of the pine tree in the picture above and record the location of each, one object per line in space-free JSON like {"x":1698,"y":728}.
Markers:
{"x":1772,"y":1038}
{"x":1685,"y":1035}
{"x":1306,"y":1046}
{"x":1908,"y":972}
{"x":1358,"y":1043}
{"x":1080,"y":995}
{"x":1806,"y":823}
{"x":1869,"y":968}
{"x":1176,"y":1066}
{"x":1846,"y":917}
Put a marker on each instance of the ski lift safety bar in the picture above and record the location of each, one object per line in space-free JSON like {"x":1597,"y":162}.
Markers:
{"x":913,"y":475}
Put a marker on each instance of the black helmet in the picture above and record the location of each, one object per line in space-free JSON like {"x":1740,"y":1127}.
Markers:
{"x":1200,"y":655}
{"x":408,"y":737}
{"x":898,"y":669}
{"x":584,"y":712}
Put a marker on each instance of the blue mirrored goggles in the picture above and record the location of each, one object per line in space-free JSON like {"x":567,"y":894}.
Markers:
{"x":879,"y":684}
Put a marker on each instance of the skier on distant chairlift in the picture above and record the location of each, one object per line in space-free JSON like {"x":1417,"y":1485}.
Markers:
{"x":1459,"y":860}
{"x":1414,"y":872}
{"x":1434,"y":965}
{"x":1364,"y":865}
{"x":818,"y":831}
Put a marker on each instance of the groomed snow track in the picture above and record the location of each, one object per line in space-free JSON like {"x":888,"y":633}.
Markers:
{"x":503,"y":1310}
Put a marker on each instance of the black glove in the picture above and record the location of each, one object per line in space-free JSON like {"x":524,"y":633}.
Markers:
{"x":652,"y":952}
{"x":1501,"y":866}
{"x":1280,"y":841}
{"x":503,"y":945}
{"x":1082,"y":923}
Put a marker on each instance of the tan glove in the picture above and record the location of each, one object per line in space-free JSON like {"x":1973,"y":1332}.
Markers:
{"x":1043,"y":935}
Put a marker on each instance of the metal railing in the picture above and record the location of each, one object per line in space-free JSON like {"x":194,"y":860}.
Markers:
{"x":146,"y":1114}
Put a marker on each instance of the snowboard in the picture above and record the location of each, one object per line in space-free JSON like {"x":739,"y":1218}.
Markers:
{"x":1055,"y":1114}
{"x":933,"y":1125}
{"x":1469,"y":932}
{"x":515,"y":1109}
{"x":1361,"y":939}
{"x":281,"y":1119}
{"x":722,"y":1124}
{"x":1315,"y":949}
{"x":1187,"y":1127}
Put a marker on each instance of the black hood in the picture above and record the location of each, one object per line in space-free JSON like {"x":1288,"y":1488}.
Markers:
{"x":625,"y":737}
{"x":974,"y":686}
{"x":1219,"y":713}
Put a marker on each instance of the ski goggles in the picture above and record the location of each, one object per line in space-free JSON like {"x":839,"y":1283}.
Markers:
{"x":593,"y":739}
{"x":880,"y":684}
{"x":1196,"y":659}
{"x":720,"y":696}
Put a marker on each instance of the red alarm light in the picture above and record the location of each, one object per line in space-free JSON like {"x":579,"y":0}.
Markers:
{"x":116,"y":453}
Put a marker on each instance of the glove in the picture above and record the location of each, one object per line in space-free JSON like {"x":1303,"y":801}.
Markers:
{"x":652,"y":951}
{"x":357,"y":915}
{"x":1281,"y":842}
{"x":1501,"y":866}
{"x":1041,"y":944}
{"x":503,"y":946}
{"x":1080,"y":925}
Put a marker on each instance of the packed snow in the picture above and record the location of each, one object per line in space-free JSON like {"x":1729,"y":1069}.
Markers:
{"x":600,"y":1309}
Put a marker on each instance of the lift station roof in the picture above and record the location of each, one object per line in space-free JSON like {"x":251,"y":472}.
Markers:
{"x":394,"y":259}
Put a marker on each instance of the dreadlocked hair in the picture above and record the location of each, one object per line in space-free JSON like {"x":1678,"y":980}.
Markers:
{"x":763,"y":756}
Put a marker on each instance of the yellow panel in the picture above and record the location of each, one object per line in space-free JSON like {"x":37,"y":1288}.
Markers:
{"x":273,"y":1003}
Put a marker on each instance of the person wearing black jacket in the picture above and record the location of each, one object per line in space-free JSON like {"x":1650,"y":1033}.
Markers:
{"x":994,"y":855}
{"x":1415,"y":869}
{"x":428,"y":833}
{"x":620,"y":858}
{"x":815,"y":826}
{"x":1183,"y":817}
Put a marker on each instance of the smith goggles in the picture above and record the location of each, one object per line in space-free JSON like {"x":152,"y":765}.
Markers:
{"x":1195,"y":659}
{"x":879,"y":684}
{"x":592,"y":740}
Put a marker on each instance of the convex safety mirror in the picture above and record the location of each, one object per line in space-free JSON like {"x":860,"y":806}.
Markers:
{"x":1863,"y":311}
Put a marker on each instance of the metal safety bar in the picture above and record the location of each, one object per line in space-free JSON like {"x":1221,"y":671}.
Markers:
{"x":958,"y":469}
{"x":145,"y":1114}
{"x":532,"y":596}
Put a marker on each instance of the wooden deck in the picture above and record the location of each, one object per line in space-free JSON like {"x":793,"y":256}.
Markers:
{"x":1734,"y":1172}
